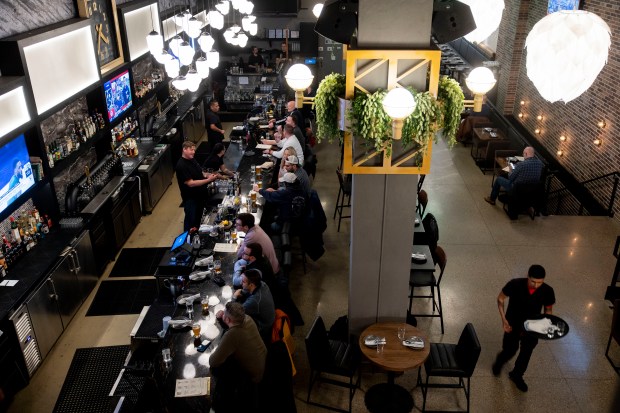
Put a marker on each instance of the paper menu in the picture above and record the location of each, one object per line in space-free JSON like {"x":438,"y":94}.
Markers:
{"x":223,"y":247}
{"x":199,"y":386}
{"x":263,"y":146}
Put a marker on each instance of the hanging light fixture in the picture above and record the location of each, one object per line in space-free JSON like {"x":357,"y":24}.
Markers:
{"x":193,"y":80}
{"x":174,"y":45}
{"x":480,"y":81}
{"x":487,"y":15}
{"x":242,"y":38}
{"x":317,"y":9}
{"x":213,"y":57}
{"x":202,"y":67}
{"x":253,"y":29}
{"x":223,"y":7}
{"x":186,"y":53}
{"x":245,"y":23}
{"x":154,"y":40}
{"x":206,"y":41}
{"x":299,"y":78}
{"x":216,"y":19}
{"x":235,"y":28}
{"x":228,"y":35}
{"x":172,"y":67}
{"x":234,"y":40}
{"x":398,"y":103}
{"x":235,"y":4}
{"x":180,"y":83}
{"x":194,"y":27}
{"x":162,"y":57}
{"x":178,"y":19}
{"x":566,"y":51}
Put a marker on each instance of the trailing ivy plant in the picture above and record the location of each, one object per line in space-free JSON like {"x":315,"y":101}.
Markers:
{"x":420,"y":127}
{"x":451,"y":98}
{"x":368,"y":119}
{"x":326,"y":104}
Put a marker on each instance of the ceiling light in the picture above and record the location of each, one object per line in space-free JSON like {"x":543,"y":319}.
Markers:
{"x":317,"y":9}
{"x":206,"y":42}
{"x":202,"y":67}
{"x":186,"y":53}
{"x":155,"y":42}
{"x":487,"y":15}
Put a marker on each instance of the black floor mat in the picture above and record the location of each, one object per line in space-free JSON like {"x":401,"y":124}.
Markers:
{"x":135,"y":262}
{"x":90,"y":378}
{"x":123,"y":297}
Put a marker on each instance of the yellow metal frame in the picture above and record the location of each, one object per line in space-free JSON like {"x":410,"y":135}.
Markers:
{"x":373,"y":60}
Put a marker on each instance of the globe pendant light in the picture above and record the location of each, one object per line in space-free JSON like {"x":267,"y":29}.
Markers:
{"x":234,"y":40}
{"x":487,"y":15}
{"x":178,"y":19}
{"x":193,"y":80}
{"x":185,"y":25}
{"x":235,"y":28}
{"x":180,"y":83}
{"x":174,"y":45}
{"x":398,"y":103}
{"x":228,"y":35}
{"x":162,"y":57}
{"x":566,"y":51}
{"x":202,"y":67}
{"x":172,"y":67}
{"x":253,"y":29}
{"x":206,"y":42}
{"x":194,"y":27}
{"x":216,"y":19}
{"x":223,"y":7}
{"x":245,"y":23}
{"x":236,"y":3}
{"x":155,"y":42}
{"x":242,"y":38}
{"x":213,"y":57}
{"x":186,"y":53}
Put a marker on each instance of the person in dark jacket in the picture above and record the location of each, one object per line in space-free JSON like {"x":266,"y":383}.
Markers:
{"x":283,"y":198}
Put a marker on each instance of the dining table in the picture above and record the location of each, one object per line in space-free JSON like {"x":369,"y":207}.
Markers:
{"x":418,"y":265}
{"x":395,"y":358}
{"x":480,"y":139}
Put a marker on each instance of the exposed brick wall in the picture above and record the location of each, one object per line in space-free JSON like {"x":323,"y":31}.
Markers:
{"x":577,"y":120}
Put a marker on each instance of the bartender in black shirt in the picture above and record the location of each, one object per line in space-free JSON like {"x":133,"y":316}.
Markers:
{"x":215,"y":133}
{"x":193,"y":185}
{"x":255,"y":61}
{"x":215,"y":161}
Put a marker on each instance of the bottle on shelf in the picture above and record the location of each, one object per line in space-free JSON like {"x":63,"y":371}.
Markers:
{"x":15,"y":230}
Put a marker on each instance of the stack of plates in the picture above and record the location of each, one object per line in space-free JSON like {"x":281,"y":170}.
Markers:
{"x":372,"y":341}
{"x":414,"y":342}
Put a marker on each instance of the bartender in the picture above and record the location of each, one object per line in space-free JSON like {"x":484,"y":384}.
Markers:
{"x":255,"y":61}
{"x":215,"y":161}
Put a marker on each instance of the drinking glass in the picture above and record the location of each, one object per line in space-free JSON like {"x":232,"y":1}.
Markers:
{"x":210,"y":266}
{"x":253,"y":169}
{"x":165,"y":322}
{"x":260,"y":184}
{"x":233,"y":236}
{"x":550,"y":332}
{"x":380,"y":345}
{"x":196,"y":329}
{"x":189,"y":306}
{"x":205,"y":306}
{"x":401,"y":333}
{"x":218,"y":266}
{"x":227,"y":236}
{"x":561,"y":328}
{"x":165,"y":353}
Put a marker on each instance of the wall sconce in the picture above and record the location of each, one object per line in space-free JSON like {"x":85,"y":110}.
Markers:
{"x":520,"y":115}
{"x":398,"y":103}
{"x":560,"y":153}
{"x":537,"y":131}
{"x":563,"y":138}
{"x":299,"y":78}
{"x":597,"y":142}
{"x":601,"y":124}
{"x":539,"y":117}
{"x":479,"y":81}
{"x":522,"y":103}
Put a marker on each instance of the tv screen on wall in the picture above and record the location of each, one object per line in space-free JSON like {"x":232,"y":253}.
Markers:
{"x":15,"y":171}
{"x":117,"y":95}
{"x":558,"y":5}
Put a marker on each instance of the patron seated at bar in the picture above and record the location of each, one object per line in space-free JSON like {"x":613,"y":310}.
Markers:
{"x":253,"y":259}
{"x":257,"y":302}
{"x":238,"y":363}
{"x":526,"y":172}
{"x":291,"y":110}
{"x":282,"y":199}
{"x":289,"y":139}
{"x":254,"y":234}
{"x":215,"y":161}
{"x":193,"y":185}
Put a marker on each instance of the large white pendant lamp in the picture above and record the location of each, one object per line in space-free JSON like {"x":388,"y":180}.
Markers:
{"x":243,"y":38}
{"x":253,"y":29}
{"x":487,"y":14}
{"x":155,"y":42}
{"x":228,"y":35}
{"x":186,"y":53}
{"x":566,"y":51}
{"x":236,"y":3}
{"x":180,"y":83}
{"x":194,"y":27}
{"x":234,"y":40}
{"x":193,"y":80}
{"x":174,"y":45}
{"x":235,"y":28}
{"x":216,"y":19}
{"x":202,"y":67}
{"x":480,"y":81}
{"x":245,"y":23}
{"x":172,"y":68}
{"x":206,"y":42}
{"x":162,"y":57}
{"x":213,"y":57}
{"x":223,"y":7}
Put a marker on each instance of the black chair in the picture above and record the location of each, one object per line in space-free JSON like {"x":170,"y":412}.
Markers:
{"x":452,"y":360}
{"x":421,"y":182}
{"x":343,"y":191}
{"x":430,"y":236}
{"x":334,"y":357}
{"x":528,"y":197}
{"x":614,"y":334}
{"x":418,"y":279}
{"x":422,"y":202}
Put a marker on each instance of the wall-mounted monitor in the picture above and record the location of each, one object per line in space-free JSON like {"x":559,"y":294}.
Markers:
{"x":558,"y":5}
{"x":15,"y":171}
{"x":117,"y":95}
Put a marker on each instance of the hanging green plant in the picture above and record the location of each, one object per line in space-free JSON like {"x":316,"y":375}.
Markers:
{"x":420,"y":127}
{"x":451,"y":98}
{"x":368,"y":119}
{"x":326,"y":105}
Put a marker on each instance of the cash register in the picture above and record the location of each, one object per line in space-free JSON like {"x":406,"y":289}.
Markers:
{"x":179,"y":260}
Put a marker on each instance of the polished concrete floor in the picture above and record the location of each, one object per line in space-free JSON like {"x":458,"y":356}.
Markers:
{"x":484,"y":248}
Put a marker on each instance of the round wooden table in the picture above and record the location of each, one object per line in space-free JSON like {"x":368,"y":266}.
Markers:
{"x":396,"y":358}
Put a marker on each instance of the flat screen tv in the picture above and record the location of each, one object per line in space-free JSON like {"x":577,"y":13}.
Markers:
{"x":117,"y":95}
{"x":15,"y":171}
{"x":558,"y":5}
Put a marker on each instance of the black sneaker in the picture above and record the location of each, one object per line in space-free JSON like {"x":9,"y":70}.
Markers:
{"x":518,"y":381}
{"x":496,"y":368}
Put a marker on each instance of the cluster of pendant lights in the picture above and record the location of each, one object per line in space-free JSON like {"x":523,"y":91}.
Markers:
{"x":182,"y":52}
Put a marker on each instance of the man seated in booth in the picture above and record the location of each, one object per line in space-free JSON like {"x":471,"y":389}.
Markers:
{"x":254,"y":234}
{"x":257,"y":301}
{"x":526,"y":172}
{"x":238,"y":363}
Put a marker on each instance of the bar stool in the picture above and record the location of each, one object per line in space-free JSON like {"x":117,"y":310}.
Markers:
{"x":345,"y":191}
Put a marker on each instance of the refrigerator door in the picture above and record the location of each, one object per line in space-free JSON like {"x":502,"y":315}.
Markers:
{"x":46,"y":322}
{"x":65,"y":285}
{"x":85,"y":266}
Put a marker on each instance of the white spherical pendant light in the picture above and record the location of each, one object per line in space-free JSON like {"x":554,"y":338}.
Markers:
{"x":487,"y":14}
{"x":186,"y":53}
{"x":155,"y":42}
{"x":172,"y":68}
{"x":174,"y":45}
{"x":193,"y":80}
{"x":213,"y":57}
{"x":566,"y":51}
{"x":253,"y":29}
{"x":206,"y":42}
{"x":180,"y":83}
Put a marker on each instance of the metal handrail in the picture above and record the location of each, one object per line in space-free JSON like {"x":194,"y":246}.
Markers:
{"x":612,"y":199}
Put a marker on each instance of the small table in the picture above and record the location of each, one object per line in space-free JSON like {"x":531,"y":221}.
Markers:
{"x":396,"y":358}
{"x":481,"y":138}
{"x":428,"y":265}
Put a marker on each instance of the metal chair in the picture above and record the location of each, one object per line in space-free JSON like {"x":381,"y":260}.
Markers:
{"x":452,"y":360}
{"x":428,"y":279}
{"x":614,"y":334}
{"x":422,"y":202}
{"x":333,"y":357}
{"x":343,"y":191}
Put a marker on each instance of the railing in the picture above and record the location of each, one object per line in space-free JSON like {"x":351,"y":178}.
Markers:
{"x":565,"y":200}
